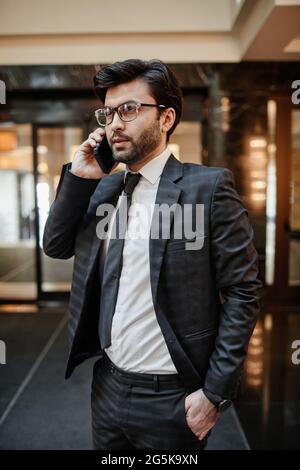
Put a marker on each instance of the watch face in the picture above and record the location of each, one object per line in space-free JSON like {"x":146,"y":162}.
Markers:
{"x":224,"y":405}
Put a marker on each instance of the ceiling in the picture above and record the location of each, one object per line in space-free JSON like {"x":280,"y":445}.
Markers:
{"x":193,"y":31}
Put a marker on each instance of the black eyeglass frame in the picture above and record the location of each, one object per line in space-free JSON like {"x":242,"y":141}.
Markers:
{"x":116,"y":109}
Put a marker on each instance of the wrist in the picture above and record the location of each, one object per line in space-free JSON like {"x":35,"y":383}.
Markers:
{"x":220,"y":403}
{"x":81,"y":174}
{"x":214,"y":399}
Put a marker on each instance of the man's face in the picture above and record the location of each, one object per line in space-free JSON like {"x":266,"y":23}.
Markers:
{"x":143,"y":135}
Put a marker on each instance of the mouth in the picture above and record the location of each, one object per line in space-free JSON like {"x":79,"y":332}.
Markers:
{"x":119,"y":142}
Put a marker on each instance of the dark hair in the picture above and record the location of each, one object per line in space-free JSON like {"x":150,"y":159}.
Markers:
{"x":163,"y":84}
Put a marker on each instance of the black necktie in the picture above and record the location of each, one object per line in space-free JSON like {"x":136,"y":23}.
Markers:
{"x":113,"y":262}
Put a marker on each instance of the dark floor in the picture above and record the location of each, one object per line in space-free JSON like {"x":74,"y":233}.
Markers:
{"x":39,"y":409}
{"x":269,"y":403}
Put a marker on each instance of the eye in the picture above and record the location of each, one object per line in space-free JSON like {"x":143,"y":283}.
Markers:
{"x":107,"y":111}
{"x":129,"y":107}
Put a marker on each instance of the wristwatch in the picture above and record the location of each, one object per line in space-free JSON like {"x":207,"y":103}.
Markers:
{"x":220,"y":403}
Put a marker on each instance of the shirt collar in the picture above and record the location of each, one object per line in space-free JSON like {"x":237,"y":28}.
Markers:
{"x":154,"y":168}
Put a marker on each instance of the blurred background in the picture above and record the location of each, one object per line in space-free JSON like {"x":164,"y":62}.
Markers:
{"x":238,"y":62}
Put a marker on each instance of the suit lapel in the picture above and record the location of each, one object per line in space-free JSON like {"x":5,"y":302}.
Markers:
{"x":107,"y":193}
{"x":168,"y":193}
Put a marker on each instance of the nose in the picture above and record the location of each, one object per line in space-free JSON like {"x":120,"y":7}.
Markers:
{"x":117,"y":123}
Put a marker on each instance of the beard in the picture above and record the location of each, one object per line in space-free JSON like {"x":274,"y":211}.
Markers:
{"x":147,"y":142}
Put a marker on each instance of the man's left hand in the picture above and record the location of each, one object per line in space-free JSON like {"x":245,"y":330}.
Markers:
{"x":201,"y":414}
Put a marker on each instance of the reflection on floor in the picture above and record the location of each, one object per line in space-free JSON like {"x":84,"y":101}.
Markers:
{"x":269,"y":404}
{"x":41,"y":410}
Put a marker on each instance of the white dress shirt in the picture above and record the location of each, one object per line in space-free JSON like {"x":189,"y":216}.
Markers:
{"x":137,"y":343}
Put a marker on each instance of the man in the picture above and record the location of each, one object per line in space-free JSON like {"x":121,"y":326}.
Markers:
{"x":170,"y":320}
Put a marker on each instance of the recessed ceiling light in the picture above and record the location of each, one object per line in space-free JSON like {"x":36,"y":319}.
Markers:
{"x":293,"y":46}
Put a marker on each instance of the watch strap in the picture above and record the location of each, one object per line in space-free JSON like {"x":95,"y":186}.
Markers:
{"x":220,"y":403}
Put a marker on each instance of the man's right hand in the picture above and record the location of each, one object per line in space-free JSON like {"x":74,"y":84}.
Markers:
{"x":84,"y":163}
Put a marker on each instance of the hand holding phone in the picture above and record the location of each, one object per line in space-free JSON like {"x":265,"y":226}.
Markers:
{"x":103,"y":155}
{"x":93,"y":159}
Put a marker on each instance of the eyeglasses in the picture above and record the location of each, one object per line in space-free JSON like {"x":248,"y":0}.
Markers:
{"x":127,"y":112}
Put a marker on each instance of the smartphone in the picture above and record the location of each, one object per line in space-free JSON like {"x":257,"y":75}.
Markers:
{"x":103,"y":155}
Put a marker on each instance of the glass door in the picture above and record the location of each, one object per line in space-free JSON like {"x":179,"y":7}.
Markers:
{"x":284,"y":285}
{"x":17,"y":214}
{"x":54,"y":146}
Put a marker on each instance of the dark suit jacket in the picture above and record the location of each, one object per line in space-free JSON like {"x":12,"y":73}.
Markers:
{"x":206,"y":300}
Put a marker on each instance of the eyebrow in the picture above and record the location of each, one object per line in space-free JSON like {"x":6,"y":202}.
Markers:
{"x":122,"y":102}
{"x":126,"y":101}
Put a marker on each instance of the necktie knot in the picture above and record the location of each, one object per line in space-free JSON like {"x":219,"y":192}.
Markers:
{"x":131,"y":181}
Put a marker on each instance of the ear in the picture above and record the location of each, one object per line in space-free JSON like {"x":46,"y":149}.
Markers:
{"x":167,"y":119}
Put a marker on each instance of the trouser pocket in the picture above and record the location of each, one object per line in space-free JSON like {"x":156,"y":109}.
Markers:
{"x":183,"y":407}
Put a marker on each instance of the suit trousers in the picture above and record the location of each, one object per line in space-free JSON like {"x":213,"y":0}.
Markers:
{"x":139,"y":411}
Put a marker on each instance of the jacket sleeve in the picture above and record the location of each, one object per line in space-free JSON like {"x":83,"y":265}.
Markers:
{"x":236,"y":272}
{"x":71,"y":202}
